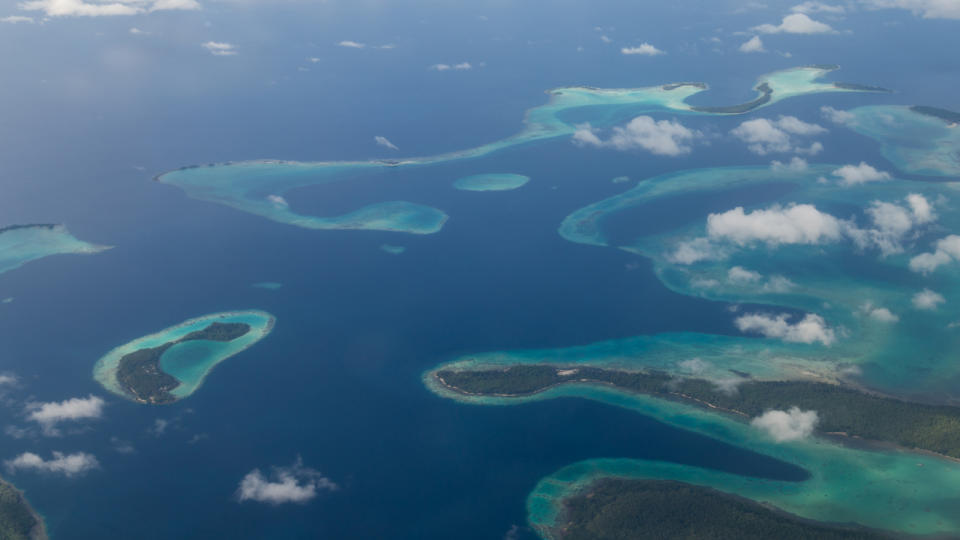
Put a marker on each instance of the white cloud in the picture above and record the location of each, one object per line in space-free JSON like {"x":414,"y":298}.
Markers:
{"x":921,"y":208}
{"x":80,"y":8}
{"x":218,"y":48}
{"x":790,"y":425}
{"x":881,"y":314}
{"x":795,"y":224}
{"x":947,"y":250}
{"x":696,"y":250}
{"x":605,"y":39}
{"x":928,"y":9}
{"x":817,"y":7}
{"x":892,"y":223}
{"x":60,"y":463}
{"x":644,"y":49}
{"x":48,"y":415}
{"x":664,"y":137}
{"x":811,"y":329}
{"x":859,"y":174}
{"x":796,"y":164}
{"x":463,"y":66}
{"x":383,"y":141}
{"x":7,"y":380}
{"x":795,"y":23}
{"x":295,"y":484}
{"x":278,"y":201}
{"x":927,"y":300}
{"x":754,"y":44}
{"x":837,"y":116}
{"x":739,"y":274}
{"x":694,"y":366}
{"x":14,"y":19}
{"x":440,"y":67}
{"x":351,"y":44}
{"x":136,"y":31}
{"x":764,"y":136}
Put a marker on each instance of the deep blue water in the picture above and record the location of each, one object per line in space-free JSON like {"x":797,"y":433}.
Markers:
{"x":338,"y":381}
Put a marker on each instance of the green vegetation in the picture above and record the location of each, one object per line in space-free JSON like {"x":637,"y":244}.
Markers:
{"x":17,"y":520}
{"x":674,"y":86}
{"x":140,"y":374}
{"x":943,"y":114}
{"x":842,"y":410}
{"x":615,"y":509}
{"x":766,"y":94}
{"x":34,"y":226}
{"x":860,"y":87}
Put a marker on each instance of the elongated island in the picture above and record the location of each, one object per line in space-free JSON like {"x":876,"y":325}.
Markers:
{"x":20,"y":244}
{"x":173,"y":363}
{"x":18,"y":521}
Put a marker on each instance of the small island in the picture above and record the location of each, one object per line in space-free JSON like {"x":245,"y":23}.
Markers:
{"x":613,"y":508}
{"x":766,"y":94}
{"x":491,"y":182}
{"x":948,"y":116}
{"x":843,"y":411}
{"x":172,"y":364}
{"x":392,"y":249}
{"x":18,"y":521}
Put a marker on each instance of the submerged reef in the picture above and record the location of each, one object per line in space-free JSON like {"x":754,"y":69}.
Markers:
{"x":491,"y":182}
{"x":20,"y":244}
{"x":259,"y":187}
{"x":172,"y":364}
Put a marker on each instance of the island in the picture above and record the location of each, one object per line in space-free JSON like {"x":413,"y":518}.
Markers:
{"x":491,"y":182}
{"x":766,"y":94}
{"x":18,"y":521}
{"x":947,"y":116}
{"x":20,"y":244}
{"x":843,"y":411}
{"x":611,"y":508}
{"x":172,"y":364}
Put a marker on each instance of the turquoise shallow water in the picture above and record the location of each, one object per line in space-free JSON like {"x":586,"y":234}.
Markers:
{"x":21,"y":245}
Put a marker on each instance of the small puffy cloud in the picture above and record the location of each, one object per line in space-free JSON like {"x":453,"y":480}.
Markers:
{"x":295,"y":484}
{"x":605,"y":39}
{"x":7,"y":380}
{"x":818,"y":7}
{"x":836,"y":115}
{"x":892,"y":223}
{"x":60,"y":463}
{"x":663,"y":137}
{"x":928,"y":9}
{"x":14,"y":19}
{"x":219,"y":48}
{"x":785,"y":426}
{"x":351,"y":44}
{"x":851,"y":175}
{"x":440,"y":67}
{"x":80,"y":8}
{"x":136,"y":31}
{"x":463,"y":66}
{"x":947,"y":250}
{"x":795,"y":23}
{"x":694,"y":366}
{"x":696,"y":250}
{"x":921,"y":208}
{"x":796,"y":164}
{"x":754,"y":44}
{"x":644,"y":49}
{"x":739,"y":274}
{"x":48,"y":415}
{"x":877,"y":313}
{"x":764,"y":136}
{"x":794,"y":224}
{"x":811,"y":329}
{"x":278,"y":201}
{"x":383,"y":141}
{"x":927,"y":300}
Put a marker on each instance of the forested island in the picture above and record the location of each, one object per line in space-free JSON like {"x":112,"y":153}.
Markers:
{"x":842,"y":410}
{"x":18,"y":521}
{"x":622,"y":509}
{"x":9,"y":228}
{"x":946,"y":115}
{"x":139,"y":372}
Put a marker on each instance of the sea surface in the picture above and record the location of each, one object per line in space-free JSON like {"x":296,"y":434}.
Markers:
{"x":338,"y":381}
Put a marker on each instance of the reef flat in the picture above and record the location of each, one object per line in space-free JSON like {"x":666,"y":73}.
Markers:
{"x":18,"y":521}
{"x":612,"y":509}
{"x":918,"y":140}
{"x":491,"y":182}
{"x":258,"y":187}
{"x":20,"y":244}
{"x":173,"y":363}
